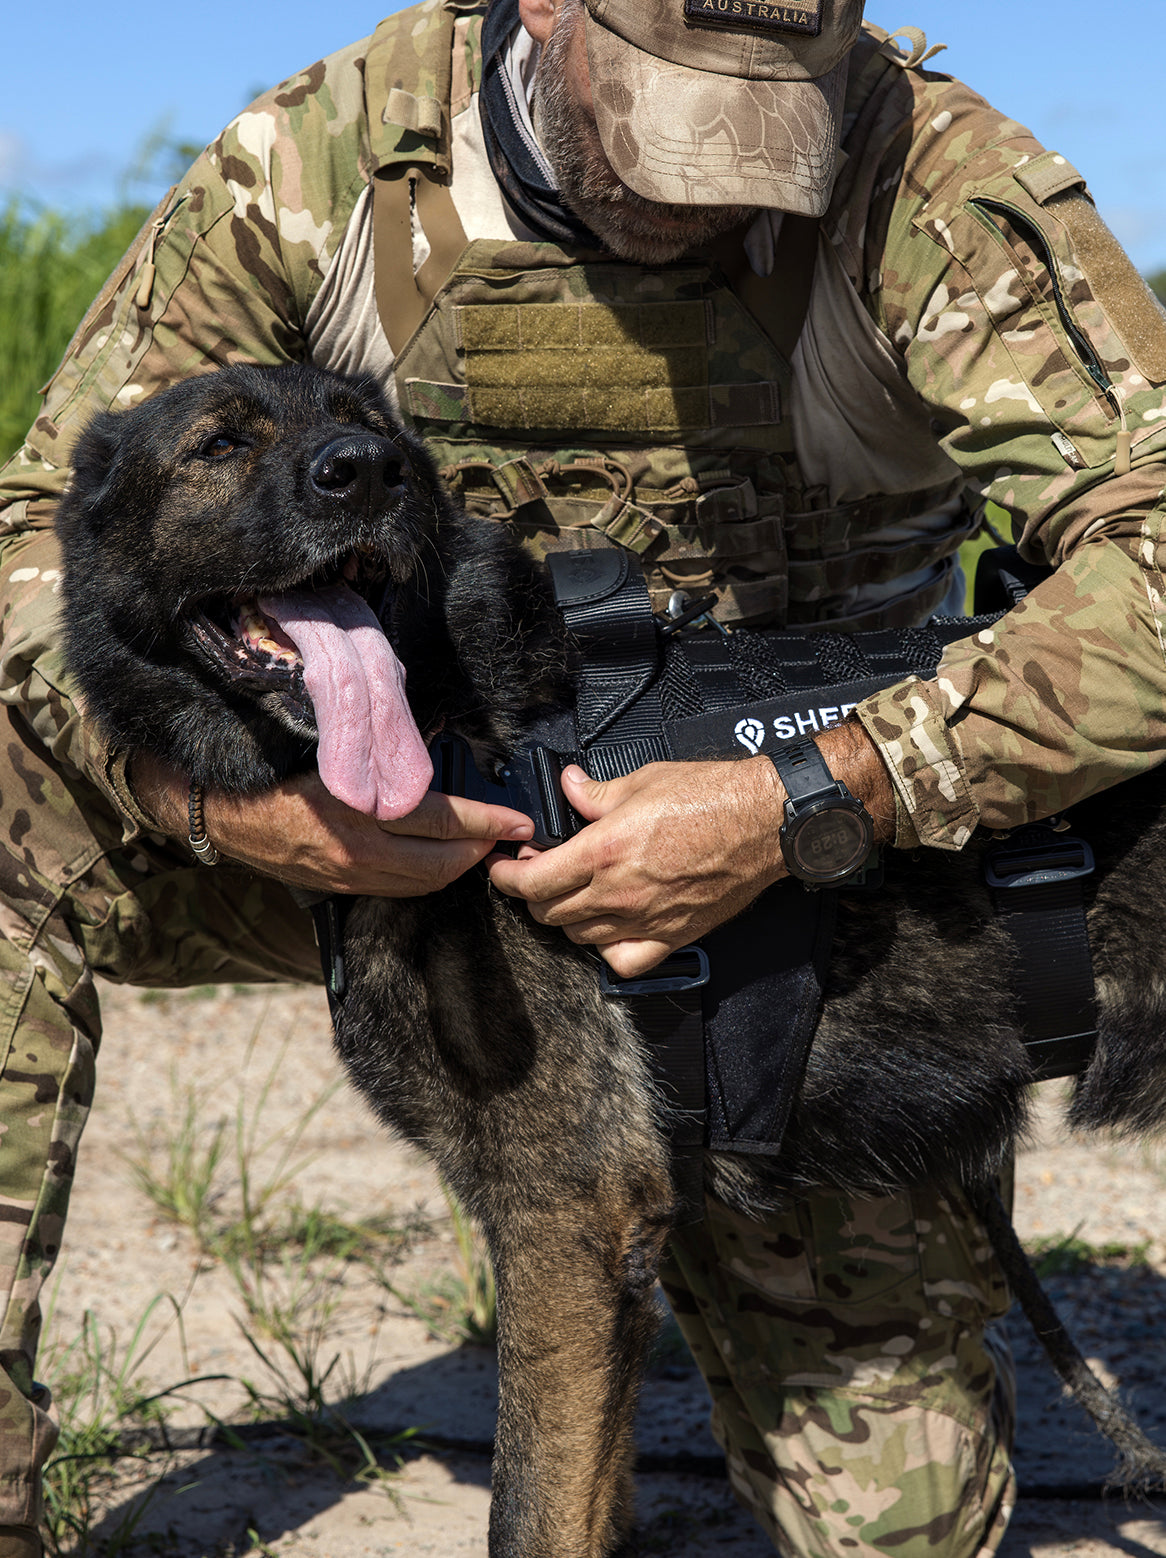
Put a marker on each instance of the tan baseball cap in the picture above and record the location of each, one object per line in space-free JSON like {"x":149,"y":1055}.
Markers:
{"x":722,"y":102}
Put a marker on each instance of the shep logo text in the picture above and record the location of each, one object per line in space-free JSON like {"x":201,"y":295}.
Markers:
{"x":752,"y":732}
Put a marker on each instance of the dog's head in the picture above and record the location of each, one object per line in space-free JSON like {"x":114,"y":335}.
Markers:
{"x":230,"y":548}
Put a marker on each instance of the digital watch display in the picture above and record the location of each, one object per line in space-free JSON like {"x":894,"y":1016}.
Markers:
{"x":827,"y":833}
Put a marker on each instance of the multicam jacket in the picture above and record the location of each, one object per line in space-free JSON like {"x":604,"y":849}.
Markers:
{"x":973,"y":325}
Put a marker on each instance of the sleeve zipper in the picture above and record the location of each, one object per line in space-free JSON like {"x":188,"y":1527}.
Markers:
{"x":145,"y":287}
{"x":1084,"y":347}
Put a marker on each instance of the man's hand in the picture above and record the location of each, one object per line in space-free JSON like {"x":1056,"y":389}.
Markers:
{"x":675,"y":849}
{"x":302,"y":835}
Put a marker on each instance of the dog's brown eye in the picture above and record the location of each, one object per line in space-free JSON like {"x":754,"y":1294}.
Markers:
{"x":219,"y":445}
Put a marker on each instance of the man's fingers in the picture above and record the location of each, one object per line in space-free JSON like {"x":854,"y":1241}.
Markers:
{"x":629,"y":959}
{"x":592,"y":798}
{"x":302,"y":834}
{"x":421,"y":865}
{"x":541,"y":878}
{"x":455,"y":817}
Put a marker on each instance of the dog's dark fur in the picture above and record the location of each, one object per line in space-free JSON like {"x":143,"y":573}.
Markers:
{"x":477,"y":1034}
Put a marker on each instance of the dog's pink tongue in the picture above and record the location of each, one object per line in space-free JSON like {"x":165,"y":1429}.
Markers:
{"x":371,"y":755}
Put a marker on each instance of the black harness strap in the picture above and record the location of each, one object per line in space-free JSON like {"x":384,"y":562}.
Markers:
{"x":667,"y":1006}
{"x":328,"y":917}
{"x":619,"y":727}
{"x":1037,"y":877}
{"x":607,"y":610}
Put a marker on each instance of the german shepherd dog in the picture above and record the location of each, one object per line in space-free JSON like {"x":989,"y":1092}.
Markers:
{"x":251,"y":557}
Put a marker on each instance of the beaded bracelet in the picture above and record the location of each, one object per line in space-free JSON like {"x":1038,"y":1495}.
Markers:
{"x":198,"y":840}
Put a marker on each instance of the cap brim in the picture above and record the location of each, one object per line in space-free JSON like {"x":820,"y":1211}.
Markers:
{"x":693,"y":137}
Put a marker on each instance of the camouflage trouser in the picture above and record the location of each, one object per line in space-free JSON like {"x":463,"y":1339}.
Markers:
{"x":75,"y":900}
{"x":861,"y":1404}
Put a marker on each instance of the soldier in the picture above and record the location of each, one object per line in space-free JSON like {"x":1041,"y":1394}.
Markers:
{"x":740,"y":287}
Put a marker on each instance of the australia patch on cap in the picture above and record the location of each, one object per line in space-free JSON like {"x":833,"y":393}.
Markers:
{"x":766,"y":15}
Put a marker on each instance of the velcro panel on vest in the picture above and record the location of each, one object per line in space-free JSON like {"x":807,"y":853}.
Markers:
{"x":642,"y":368}
{"x":639,"y":368}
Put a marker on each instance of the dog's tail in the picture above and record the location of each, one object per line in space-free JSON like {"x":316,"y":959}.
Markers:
{"x":1141,"y":1465}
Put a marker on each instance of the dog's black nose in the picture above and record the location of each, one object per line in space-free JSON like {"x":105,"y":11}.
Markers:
{"x":360,"y":469}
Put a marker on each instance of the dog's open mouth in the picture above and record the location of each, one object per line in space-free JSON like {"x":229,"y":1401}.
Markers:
{"x":321,"y":646}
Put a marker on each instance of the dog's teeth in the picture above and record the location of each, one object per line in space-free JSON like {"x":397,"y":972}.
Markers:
{"x":278,"y":651}
{"x":253,"y":632}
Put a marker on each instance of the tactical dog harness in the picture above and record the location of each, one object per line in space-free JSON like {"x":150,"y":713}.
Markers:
{"x":729,"y":1021}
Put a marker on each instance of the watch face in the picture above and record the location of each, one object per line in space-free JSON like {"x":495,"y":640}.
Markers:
{"x":830,"y":844}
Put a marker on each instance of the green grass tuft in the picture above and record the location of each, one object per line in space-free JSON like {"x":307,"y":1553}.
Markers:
{"x":1068,"y":1255}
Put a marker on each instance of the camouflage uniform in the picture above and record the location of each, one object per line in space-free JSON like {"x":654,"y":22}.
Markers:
{"x":1013,"y":345}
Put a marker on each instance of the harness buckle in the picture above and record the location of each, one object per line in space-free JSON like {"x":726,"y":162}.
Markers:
{"x":529,"y":782}
{"x":533,"y":779}
{"x":685,"y":969}
{"x":1035,"y":856}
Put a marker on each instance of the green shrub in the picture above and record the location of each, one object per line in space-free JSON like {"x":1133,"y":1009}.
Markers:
{"x":52,"y":266}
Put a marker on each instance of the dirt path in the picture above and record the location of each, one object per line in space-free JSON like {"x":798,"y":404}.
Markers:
{"x":271,"y":1495}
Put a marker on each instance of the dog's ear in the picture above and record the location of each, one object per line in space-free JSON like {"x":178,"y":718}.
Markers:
{"x":94,"y":462}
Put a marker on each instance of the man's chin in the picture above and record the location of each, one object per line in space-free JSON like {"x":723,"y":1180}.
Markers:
{"x":646,"y":238}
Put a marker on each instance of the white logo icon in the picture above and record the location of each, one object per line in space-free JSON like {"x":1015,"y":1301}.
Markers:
{"x":750,"y":733}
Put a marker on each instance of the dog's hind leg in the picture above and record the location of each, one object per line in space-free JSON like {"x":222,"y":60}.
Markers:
{"x":576,"y":1317}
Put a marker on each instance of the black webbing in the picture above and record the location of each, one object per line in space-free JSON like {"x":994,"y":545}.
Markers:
{"x":667,"y":1007}
{"x":328,"y":917}
{"x":607,"y":610}
{"x":1037,"y":877}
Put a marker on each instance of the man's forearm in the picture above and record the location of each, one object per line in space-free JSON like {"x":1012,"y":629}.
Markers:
{"x":853,"y":758}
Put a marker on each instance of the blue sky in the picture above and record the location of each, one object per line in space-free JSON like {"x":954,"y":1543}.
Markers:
{"x":95,"y":81}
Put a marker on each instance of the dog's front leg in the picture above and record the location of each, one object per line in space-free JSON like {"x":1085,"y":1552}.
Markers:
{"x":576,"y":1316}
{"x":486,"y":1041}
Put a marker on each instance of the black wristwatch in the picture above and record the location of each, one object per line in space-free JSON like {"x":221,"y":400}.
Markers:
{"x":827,"y":833}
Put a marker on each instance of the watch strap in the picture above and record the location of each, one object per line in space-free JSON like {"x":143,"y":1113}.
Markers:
{"x":804,"y":771}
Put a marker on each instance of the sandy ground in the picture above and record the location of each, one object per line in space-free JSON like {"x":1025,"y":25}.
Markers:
{"x":267,"y":1494}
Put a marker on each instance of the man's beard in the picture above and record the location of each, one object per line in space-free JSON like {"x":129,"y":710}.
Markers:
{"x":649,"y":232}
